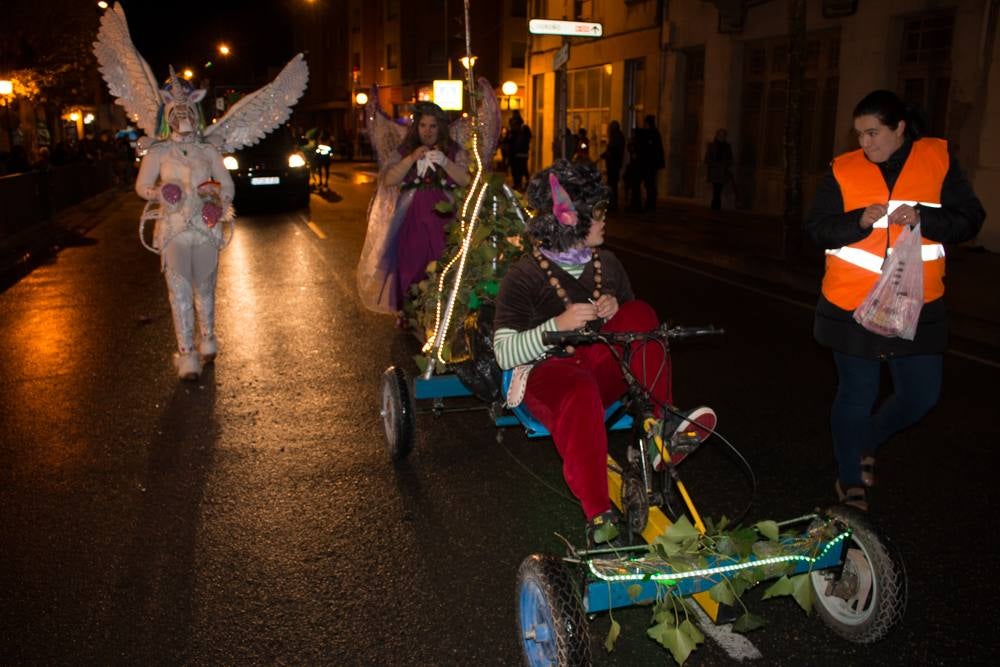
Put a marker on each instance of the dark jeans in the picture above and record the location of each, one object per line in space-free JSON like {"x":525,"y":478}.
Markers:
{"x":717,"y":196}
{"x":916,"y":382}
{"x":649,"y":181}
{"x":519,"y":171}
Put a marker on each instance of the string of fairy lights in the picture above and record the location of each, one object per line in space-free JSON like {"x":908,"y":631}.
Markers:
{"x":467,"y":220}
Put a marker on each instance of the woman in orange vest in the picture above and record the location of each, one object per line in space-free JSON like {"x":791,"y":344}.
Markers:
{"x":896,"y":178}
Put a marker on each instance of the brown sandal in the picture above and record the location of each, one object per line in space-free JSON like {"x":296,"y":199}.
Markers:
{"x":854,"y":496}
{"x":867,"y":467}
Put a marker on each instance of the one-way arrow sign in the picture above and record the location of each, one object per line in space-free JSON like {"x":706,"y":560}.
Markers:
{"x":567,"y":28}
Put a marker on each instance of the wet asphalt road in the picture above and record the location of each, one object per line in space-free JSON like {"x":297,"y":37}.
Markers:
{"x":253,"y":517}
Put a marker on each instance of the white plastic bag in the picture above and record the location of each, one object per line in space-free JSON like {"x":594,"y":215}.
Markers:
{"x":892,"y":308}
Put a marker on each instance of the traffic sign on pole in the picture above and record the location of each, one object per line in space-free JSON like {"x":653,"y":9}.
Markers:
{"x":565,"y":28}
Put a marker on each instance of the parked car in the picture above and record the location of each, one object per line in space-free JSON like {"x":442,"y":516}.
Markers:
{"x":272,"y":173}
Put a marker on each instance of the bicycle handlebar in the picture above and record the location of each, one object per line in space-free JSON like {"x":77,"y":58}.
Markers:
{"x":583,"y":337}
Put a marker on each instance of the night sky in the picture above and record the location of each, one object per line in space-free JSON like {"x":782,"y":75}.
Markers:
{"x":185,"y":33}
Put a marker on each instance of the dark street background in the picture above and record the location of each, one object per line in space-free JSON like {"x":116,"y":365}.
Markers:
{"x":254,"y":517}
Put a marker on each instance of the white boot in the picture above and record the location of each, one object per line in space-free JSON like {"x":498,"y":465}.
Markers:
{"x":208,"y":348}
{"x":188,"y":365}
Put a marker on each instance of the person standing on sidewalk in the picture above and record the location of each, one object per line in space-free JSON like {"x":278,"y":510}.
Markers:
{"x":520,"y":147}
{"x":614,"y":156}
{"x":896,"y":178}
{"x":650,"y":147}
{"x":719,"y":165}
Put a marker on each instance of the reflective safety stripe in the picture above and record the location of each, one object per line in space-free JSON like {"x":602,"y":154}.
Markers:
{"x":872,"y":262}
{"x":883,"y":222}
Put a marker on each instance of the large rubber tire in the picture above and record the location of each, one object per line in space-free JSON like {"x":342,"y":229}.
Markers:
{"x":551,"y":622}
{"x":865,"y":598}
{"x":398,"y":414}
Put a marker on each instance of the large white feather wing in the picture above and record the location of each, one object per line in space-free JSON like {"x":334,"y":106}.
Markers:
{"x":384,"y":133}
{"x":261,"y":111}
{"x":487,"y":122}
{"x":127,"y":74}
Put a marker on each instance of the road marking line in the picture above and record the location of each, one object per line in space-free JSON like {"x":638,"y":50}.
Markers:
{"x":808,"y":306}
{"x":315,"y":229}
{"x":734,"y":644}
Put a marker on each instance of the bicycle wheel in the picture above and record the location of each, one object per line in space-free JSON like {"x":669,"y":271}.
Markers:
{"x":551,"y":622}
{"x":866,"y":597}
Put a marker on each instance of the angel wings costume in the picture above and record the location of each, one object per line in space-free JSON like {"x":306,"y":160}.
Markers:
{"x":405,"y":231}
{"x":182,"y":177}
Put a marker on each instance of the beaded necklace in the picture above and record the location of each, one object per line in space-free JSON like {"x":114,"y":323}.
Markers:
{"x":546,"y":266}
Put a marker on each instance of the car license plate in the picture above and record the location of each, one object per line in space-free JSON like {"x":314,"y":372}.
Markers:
{"x":265,"y":180}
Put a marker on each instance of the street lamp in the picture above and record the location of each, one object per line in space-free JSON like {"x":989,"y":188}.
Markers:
{"x":468,"y":62}
{"x":508,"y":88}
{"x":360,"y":99}
{"x":7,"y":91}
{"x":224,"y":49}
{"x":188,"y":73}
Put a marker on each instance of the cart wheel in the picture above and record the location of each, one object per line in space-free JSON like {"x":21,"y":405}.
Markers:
{"x":550,"y":617}
{"x":635,"y":502}
{"x":865,"y":598}
{"x":397,"y":413}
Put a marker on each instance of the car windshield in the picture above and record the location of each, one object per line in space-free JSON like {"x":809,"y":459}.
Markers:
{"x":279,"y":142}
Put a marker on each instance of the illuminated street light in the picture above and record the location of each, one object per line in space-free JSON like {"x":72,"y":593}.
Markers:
{"x":188,"y":74}
{"x":102,"y":4}
{"x":224,"y":49}
{"x":508,"y":88}
{"x":88,"y":119}
{"x":468,"y":62}
{"x":361,"y":99}
{"x":74,"y":116}
{"x":7,"y":91}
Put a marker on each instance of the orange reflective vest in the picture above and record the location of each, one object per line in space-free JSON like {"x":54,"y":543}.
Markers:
{"x":852,"y":271}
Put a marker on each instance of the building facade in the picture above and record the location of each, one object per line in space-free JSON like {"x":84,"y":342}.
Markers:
{"x":698,"y":66}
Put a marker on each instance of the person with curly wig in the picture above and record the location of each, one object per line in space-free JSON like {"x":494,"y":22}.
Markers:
{"x":430,"y":166}
{"x":569,"y":282}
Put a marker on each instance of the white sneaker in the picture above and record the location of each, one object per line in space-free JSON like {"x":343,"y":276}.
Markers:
{"x":188,"y":366}
{"x":208,"y":348}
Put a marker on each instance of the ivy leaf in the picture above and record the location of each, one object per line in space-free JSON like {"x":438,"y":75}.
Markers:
{"x":722,"y":593}
{"x":681,"y":530}
{"x":665,"y":617}
{"x":444,"y":206}
{"x":665,"y":548}
{"x":747,"y":622}
{"x":613,"y":632}
{"x":674,"y":640}
{"x":782,"y":586}
{"x":802,"y":591}
{"x":421,"y":362}
{"x":768,"y":529}
{"x":692,"y":631}
{"x":743,"y":539}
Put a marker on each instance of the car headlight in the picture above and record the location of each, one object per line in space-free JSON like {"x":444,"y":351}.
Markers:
{"x":231,"y":163}
{"x":296,"y":160}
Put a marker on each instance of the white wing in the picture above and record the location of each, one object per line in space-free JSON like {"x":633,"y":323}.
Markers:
{"x":258,"y":113}
{"x":487,"y":121}
{"x":127,"y":74}
{"x":384,"y":133}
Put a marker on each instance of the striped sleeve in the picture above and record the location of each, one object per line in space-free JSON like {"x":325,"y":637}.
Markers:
{"x":514,"y":348}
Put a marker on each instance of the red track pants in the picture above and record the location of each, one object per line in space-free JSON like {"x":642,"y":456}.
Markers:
{"x":570,"y":394}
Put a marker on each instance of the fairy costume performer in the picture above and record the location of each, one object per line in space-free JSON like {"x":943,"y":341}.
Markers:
{"x":420,"y":165}
{"x":183,"y":178}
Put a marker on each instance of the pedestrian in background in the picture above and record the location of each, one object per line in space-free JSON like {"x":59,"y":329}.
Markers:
{"x":896,"y":178}
{"x":520,"y":148}
{"x":718,"y":164}
{"x":633,"y":178}
{"x":650,"y":147}
{"x":582,"y":153}
{"x":613,"y":157}
{"x":323,"y":157}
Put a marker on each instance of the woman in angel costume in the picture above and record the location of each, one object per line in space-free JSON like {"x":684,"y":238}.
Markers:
{"x":419,"y":166}
{"x":425,"y":169}
{"x":188,"y":190}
